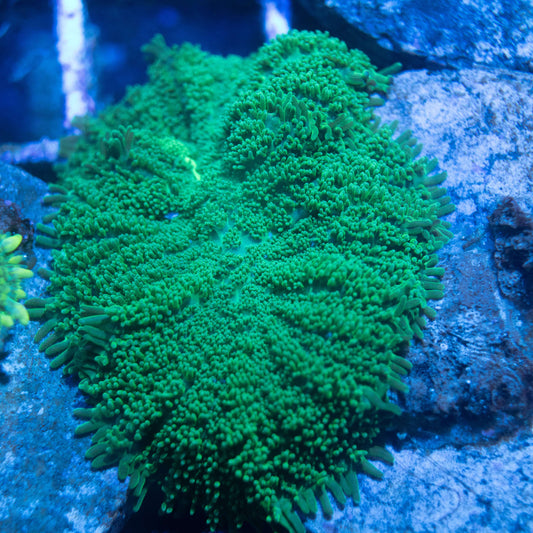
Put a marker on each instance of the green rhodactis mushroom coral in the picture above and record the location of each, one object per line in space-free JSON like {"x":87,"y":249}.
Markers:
{"x":11,"y":275}
{"x":242,"y":252}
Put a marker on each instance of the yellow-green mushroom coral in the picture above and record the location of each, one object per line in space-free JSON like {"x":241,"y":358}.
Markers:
{"x":11,"y":275}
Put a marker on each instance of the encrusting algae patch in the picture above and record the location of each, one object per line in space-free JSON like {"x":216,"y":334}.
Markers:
{"x":241,"y":252}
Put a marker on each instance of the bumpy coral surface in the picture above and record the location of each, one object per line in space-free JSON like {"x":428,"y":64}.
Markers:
{"x":11,"y":275}
{"x":241,"y":254}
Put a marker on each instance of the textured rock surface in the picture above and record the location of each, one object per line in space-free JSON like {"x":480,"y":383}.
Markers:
{"x":479,"y":124}
{"x":46,"y":484}
{"x":472,"y":489}
{"x":476,"y":359}
{"x":451,"y":33}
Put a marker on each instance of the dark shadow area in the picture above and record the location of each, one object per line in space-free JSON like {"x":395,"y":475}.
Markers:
{"x":42,"y":170}
{"x":339,"y":27}
{"x":149,"y":520}
{"x":122,"y":27}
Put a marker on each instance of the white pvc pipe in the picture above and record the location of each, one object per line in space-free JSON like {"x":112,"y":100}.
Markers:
{"x":73,"y":58}
{"x":276,"y":17}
